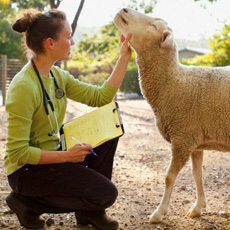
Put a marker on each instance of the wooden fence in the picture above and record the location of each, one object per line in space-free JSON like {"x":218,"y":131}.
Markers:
{"x":8,"y":69}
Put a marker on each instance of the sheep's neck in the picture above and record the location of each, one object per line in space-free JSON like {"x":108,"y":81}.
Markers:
{"x":157,"y":69}
{"x":155,"y":74}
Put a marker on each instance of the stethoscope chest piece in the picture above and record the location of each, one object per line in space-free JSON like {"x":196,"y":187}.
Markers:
{"x":59,"y":93}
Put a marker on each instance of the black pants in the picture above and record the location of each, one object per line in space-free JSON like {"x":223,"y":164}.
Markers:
{"x":68,"y":187}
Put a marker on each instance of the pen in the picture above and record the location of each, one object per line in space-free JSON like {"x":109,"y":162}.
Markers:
{"x":74,"y":138}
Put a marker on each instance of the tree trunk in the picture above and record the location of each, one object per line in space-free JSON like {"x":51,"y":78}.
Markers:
{"x":55,"y":3}
{"x":74,"y":24}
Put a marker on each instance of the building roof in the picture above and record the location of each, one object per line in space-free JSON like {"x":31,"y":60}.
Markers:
{"x":196,"y":50}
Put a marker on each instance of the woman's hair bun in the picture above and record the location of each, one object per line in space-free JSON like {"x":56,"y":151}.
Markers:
{"x":26,"y":20}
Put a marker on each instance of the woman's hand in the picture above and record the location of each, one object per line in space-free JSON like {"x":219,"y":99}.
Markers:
{"x":77,"y":153}
{"x":119,"y":70}
{"x":125,"y":48}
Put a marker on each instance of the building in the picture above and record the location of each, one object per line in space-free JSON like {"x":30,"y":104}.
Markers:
{"x":190,"y":52}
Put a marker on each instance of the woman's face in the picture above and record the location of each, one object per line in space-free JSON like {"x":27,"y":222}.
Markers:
{"x":62,"y":47}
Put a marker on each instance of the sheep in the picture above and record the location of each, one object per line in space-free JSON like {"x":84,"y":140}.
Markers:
{"x":191,"y":104}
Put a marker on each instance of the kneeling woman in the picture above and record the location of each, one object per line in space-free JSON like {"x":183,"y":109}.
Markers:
{"x":43,"y":178}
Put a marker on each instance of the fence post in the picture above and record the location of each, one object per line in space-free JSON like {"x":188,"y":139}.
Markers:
{"x":4,"y":76}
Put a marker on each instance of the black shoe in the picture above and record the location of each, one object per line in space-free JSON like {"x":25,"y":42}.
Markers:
{"x":32,"y":221}
{"x":98,"y":219}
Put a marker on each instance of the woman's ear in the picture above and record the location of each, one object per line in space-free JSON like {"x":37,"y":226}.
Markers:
{"x":49,"y":43}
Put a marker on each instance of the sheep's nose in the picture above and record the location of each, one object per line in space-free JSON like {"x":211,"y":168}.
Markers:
{"x":125,"y":10}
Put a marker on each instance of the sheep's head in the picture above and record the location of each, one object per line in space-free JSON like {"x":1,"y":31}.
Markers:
{"x":148,"y":34}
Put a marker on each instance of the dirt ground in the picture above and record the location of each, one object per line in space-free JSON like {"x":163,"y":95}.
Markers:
{"x":139,"y":170}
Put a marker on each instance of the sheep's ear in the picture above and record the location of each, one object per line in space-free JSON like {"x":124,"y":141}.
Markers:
{"x":167,"y":39}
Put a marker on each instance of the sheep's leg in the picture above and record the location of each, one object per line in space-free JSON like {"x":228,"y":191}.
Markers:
{"x":174,"y":168}
{"x":196,"y":209}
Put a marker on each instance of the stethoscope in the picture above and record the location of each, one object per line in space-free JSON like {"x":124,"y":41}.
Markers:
{"x":59,"y":93}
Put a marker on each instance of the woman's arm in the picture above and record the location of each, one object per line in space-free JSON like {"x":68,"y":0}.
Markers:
{"x":75,"y":154}
{"x":119,"y":70}
{"x":93,"y":95}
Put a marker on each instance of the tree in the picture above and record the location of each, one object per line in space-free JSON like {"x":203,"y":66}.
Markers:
{"x":8,"y":9}
{"x":220,"y":50}
{"x":96,"y":55}
{"x":43,"y":4}
{"x":74,"y":24}
{"x":10,"y":43}
{"x":143,"y":5}
{"x":55,"y":3}
{"x":220,"y":46}
{"x":24,"y":4}
{"x":206,"y":0}
{"x":4,"y":3}
{"x":147,"y":6}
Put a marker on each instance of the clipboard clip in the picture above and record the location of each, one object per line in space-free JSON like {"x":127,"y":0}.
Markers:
{"x":119,"y":121}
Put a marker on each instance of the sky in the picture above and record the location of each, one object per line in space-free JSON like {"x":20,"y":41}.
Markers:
{"x":187,"y":19}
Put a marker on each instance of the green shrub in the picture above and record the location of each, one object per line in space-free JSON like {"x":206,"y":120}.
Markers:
{"x":94,"y":78}
{"x":130,"y":83}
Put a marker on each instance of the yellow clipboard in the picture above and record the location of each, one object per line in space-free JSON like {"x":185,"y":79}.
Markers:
{"x":95,"y":127}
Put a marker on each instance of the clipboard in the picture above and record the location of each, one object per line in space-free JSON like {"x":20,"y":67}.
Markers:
{"x":95,"y":128}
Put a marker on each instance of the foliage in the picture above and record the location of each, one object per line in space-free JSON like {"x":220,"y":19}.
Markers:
{"x":4,"y":3}
{"x":97,"y":78}
{"x":23,"y":4}
{"x":143,"y":5}
{"x":220,"y":45}
{"x":204,"y":3}
{"x":130,"y":83}
{"x":96,"y":55}
{"x":220,"y":51}
{"x":207,"y":0}
{"x":10,"y":42}
{"x":147,"y":6}
{"x":204,"y":60}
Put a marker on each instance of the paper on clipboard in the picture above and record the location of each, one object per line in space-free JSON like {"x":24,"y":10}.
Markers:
{"x":95,"y":128}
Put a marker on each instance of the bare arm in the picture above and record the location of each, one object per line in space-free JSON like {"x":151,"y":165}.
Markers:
{"x":75,"y":154}
{"x":119,"y":70}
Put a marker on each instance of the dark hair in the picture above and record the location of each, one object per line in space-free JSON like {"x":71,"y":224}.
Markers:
{"x":38,"y":26}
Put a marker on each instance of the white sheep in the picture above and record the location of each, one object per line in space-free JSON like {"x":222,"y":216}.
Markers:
{"x":191,"y":104}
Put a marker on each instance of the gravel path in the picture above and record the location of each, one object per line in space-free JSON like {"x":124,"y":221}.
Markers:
{"x":139,"y":170}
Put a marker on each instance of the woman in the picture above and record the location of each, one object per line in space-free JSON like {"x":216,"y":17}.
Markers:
{"x":43,"y":178}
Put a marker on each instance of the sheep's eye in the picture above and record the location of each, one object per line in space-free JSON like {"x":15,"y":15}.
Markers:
{"x":154,"y":26}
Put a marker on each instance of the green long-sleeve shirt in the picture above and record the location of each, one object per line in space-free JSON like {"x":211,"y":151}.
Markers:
{"x":28,"y":125}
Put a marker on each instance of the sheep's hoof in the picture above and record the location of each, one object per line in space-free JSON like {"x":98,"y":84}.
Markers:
{"x":155,"y":218}
{"x":193,"y":213}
